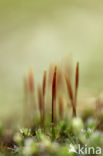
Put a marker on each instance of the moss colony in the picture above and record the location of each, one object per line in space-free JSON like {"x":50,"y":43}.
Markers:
{"x":49,"y":128}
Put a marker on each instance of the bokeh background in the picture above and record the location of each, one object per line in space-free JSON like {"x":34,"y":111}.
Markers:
{"x":34,"y":33}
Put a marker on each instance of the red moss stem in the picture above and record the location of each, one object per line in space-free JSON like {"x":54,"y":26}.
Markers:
{"x":70,"y":93}
{"x":76,"y":83}
{"x":54,"y":95}
{"x":44,"y":83}
{"x":31,"y":81}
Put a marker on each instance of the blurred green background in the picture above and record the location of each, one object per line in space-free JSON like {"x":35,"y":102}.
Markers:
{"x":34,"y":33}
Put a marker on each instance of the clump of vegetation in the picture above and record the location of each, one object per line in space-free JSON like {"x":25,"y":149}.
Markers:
{"x":48,"y":128}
